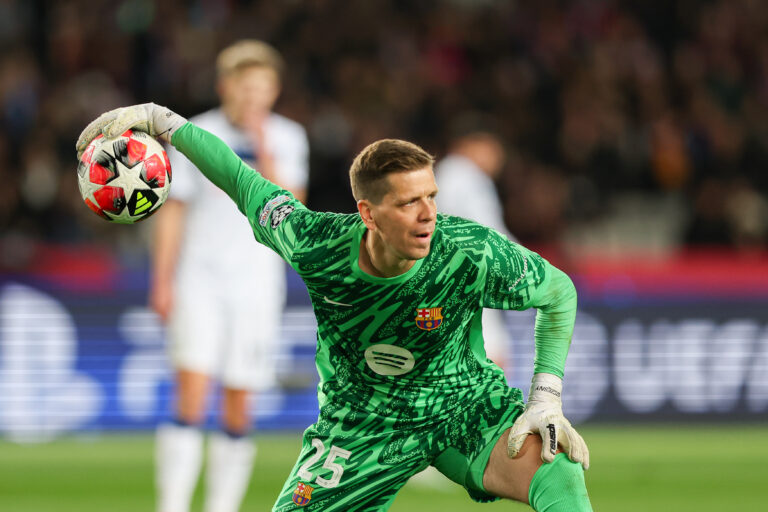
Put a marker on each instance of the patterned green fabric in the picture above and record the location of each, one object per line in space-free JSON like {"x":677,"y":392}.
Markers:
{"x":398,"y":354}
{"x":559,"y":487}
{"x":381,"y":461}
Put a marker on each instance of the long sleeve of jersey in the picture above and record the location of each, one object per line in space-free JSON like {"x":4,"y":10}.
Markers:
{"x":520,"y":279}
{"x":264,"y":204}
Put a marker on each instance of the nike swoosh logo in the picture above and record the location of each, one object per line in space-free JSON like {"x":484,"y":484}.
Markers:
{"x":329,"y":301}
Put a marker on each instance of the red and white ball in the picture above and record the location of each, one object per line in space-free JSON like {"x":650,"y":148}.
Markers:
{"x":125,"y":179}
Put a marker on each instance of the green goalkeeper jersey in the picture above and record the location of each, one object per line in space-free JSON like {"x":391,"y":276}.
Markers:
{"x":396,"y":352}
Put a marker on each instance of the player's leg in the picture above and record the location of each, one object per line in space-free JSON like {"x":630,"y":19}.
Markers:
{"x":247,"y":364}
{"x":235,"y":411}
{"x":511,"y":478}
{"x":191,"y":397}
{"x":179,"y":444}
{"x":555,"y":487}
{"x":353,"y":473}
{"x":193,"y":335}
{"x":475,"y":457}
{"x":231,"y":453}
{"x":466,"y":440}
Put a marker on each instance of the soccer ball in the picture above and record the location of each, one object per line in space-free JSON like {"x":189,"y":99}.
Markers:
{"x":125,"y":179}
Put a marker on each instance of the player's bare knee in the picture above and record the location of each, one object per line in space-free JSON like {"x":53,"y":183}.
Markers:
{"x":508,"y":477}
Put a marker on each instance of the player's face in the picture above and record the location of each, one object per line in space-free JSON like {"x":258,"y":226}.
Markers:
{"x":249,"y":95}
{"x":405,"y":217}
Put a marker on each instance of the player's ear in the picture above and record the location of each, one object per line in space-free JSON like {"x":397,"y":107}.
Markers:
{"x":366,"y":213}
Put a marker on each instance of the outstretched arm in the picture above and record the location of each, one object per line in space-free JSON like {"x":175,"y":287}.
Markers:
{"x":222,"y":166}
{"x":264,"y":204}
{"x":206,"y":151}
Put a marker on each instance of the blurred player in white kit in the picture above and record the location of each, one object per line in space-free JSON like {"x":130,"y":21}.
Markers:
{"x":221,"y":293}
{"x":465,"y":178}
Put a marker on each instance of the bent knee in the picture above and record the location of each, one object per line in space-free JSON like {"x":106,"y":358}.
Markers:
{"x":508,"y":477}
{"x":511,"y":478}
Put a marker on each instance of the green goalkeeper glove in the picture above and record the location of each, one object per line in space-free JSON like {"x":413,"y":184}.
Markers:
{"x":544,"y":415}
{"x":153,"y":119}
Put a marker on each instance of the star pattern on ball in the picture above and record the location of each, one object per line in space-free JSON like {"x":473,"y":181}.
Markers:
{"x":128,"y":178}
{"x":87,"y":187}
{"x":111,"y":177}
{"x":123,"y":218}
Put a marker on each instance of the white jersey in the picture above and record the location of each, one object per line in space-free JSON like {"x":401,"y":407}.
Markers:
{"x":466,"y":191}
{"x":217,"y":237}
{"x":229,"y":289}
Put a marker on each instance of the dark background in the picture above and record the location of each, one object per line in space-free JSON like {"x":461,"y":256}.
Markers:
{"x":628,"y":124}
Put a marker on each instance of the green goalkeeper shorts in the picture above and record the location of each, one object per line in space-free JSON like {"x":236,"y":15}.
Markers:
{"x":363,"y":472}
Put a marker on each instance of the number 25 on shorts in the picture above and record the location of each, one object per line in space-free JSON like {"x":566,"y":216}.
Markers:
{"x":329,"y":463}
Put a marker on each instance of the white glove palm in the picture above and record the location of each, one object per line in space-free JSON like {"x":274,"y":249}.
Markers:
{"x":544,"y":415}
{"x":153,"y":119}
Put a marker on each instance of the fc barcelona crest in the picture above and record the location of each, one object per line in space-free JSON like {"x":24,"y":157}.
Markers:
{"x":428,"y":319}
{"x":302,"y":494}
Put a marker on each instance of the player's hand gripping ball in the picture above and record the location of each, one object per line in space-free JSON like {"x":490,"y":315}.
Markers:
{"x":124,"y":179}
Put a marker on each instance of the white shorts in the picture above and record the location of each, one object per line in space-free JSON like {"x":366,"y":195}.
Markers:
{"x":227,"y":330}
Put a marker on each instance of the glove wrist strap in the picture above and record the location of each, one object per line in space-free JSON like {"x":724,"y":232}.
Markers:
{"x":546,"y":386}
{"x":165,"y":121}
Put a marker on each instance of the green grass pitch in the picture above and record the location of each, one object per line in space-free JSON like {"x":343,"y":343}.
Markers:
{"x":634,"y":468}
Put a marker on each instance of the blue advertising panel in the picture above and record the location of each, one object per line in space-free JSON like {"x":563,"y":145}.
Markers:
{"x":79,"y":356}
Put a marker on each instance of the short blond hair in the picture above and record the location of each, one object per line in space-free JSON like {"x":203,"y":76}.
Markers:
{"x":246,"y":53}
{"x":375,"y":162}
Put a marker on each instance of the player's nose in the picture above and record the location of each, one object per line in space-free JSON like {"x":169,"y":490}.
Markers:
{"x":428,"y":211}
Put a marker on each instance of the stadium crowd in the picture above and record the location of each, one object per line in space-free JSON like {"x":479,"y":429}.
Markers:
{"x":597,"y":100}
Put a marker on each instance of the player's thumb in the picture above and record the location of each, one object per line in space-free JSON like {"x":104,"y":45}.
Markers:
{"x":516,"y":438}
{"x":93,"y":130}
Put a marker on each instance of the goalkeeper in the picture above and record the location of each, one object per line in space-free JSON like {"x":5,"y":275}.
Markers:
{"x":398,"y":293}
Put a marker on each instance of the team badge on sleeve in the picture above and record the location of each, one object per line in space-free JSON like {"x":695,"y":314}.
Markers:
{"x":280,"y":214}
{"x":428,"y":319}
{"x":277,"y":201}
{"x":302,"y":494}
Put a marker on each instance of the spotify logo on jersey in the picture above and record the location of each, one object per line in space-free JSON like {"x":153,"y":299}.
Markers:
{"x":388,"y":359}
